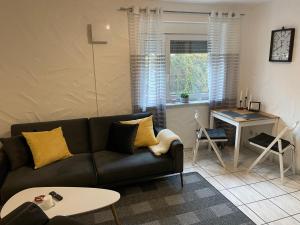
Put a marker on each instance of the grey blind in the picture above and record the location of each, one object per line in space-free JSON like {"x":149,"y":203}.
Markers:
{"x":183,"y":46}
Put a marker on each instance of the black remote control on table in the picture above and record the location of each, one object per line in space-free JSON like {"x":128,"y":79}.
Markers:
{"x":56,"y":196}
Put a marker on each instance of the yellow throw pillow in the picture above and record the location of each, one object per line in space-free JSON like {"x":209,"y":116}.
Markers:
{"x":47,"y":146}
{"x":145,"y":134}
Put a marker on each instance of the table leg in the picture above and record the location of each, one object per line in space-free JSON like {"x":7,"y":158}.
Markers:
{"x":237,"y":146}
{"x":211,"y":126}
{"x":113,"y":209}
{"x":211,"y":121}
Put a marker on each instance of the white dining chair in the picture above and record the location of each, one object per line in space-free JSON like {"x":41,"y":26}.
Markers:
{"x":277,"y":146}
{"x":210,"y":136}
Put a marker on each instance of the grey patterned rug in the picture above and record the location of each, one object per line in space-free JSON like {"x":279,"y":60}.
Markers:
{"x":164,"y":202}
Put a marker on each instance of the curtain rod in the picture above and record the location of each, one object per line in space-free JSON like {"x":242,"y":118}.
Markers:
{"x":173,"y":11}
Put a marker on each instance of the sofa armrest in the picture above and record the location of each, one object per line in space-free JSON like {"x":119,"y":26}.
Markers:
{"x":4,"y":166}
{"x":176,"y":152}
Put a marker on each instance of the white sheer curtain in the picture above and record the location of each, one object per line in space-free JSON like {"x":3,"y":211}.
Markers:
{"x":147,"y":63}
{"x":224,"y":62}
{"x":224,"y":58}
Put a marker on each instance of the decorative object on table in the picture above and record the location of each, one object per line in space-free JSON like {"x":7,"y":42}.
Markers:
{"x":250,"y":100}
{"x":184,"y":98}
{"x":278,"y":146}
{"x":44,"y":201}
{"x":241,"y":101}
{"x":254,"y":106}
{"x":246,"y":99}
{"x":47,"y":202}
{"x":39,"y":199}
{"x":282,"y":44}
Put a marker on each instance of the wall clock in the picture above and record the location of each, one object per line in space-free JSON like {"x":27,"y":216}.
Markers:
{"x":282,"y":44}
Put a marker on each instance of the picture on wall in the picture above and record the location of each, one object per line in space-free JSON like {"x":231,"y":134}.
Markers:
{"x":282,"y":44}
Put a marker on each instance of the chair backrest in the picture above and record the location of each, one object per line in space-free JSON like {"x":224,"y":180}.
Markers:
{"x":281,"y":133}
{"x":286,"y":129}
{"x":200,"y":126}
{"x":197,"y":118}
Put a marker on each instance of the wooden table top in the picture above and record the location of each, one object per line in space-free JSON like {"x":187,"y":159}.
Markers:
{"x":243,"y":115}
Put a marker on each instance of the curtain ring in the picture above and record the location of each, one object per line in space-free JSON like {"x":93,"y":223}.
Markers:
{"x":136,"y":10}
{"x":147,"y":10}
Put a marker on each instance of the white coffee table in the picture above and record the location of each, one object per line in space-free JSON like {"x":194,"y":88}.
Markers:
{"x":76,"y":200}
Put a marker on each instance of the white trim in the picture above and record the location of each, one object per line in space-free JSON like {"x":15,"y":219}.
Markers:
{"x":191,"y":103}
{"x":169,"y":37}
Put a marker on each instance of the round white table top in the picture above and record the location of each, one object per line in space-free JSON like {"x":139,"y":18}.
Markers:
{"x":76,"y":200}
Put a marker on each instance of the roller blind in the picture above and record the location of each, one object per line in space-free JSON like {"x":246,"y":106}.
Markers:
{"x":186,"y":46}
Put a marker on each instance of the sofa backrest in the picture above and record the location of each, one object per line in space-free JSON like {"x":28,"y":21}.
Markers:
{"x":76,"y":132}
{"x":99,"y":128}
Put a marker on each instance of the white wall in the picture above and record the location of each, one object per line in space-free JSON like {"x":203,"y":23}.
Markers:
{"x":46,"y":69}
{"x":275,"y":84}
{"x":180,"y":119}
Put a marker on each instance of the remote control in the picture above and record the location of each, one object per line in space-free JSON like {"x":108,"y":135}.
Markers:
{"x":56,"y":196}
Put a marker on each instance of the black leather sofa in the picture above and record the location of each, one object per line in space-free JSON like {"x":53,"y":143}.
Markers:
{"x":30,"y":214}
{"x":92,"y":164}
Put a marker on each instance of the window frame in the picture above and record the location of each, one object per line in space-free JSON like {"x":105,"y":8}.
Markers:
{"x":183,"y":37}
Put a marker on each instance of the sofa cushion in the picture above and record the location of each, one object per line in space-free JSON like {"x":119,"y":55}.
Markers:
{"x":114,"y":167}
{"x":47,"y":146}
{"x":121,"y":137}
{"x":75,"y":171}
{"x":145,"y":135}
{"x":99,"y":128}
{"x":75,"y":131}
{"x":17,"y":150}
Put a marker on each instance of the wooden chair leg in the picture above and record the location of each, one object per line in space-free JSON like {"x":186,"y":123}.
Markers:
{"x":281,"y":168}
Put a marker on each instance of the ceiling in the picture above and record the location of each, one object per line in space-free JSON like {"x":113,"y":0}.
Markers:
{"x":219,"y":1}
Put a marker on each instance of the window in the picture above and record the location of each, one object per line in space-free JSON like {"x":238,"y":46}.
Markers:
{"x":188,"y":71}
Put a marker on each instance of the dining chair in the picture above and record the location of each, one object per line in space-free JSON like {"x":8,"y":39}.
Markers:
{"x":275,"y":145}
{"x":210,"y":136}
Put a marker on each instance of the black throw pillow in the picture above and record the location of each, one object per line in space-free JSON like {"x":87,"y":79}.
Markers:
{"x":26,"y":214}
{"x":121,"y":137}
{"x":17,"y":150}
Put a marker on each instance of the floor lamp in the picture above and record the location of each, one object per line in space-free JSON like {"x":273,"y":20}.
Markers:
{"x":92,"y":40}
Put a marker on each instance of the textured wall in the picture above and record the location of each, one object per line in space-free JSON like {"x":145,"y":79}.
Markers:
{"x":275,"y":84}
{"x":181,"y":120}
{"x":46,"y":69}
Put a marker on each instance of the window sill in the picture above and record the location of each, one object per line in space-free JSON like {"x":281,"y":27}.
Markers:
{"x":191,"y":103}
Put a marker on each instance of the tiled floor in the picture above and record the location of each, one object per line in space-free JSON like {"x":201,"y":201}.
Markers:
{"x":259,"y":194}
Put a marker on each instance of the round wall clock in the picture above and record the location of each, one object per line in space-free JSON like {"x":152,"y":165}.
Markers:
{"x":282,"y":44}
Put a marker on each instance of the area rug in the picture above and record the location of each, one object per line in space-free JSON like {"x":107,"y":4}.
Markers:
{"x":164,"y":202}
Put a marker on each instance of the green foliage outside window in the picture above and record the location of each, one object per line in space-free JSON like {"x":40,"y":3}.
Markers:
{"x":188,"y":74}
